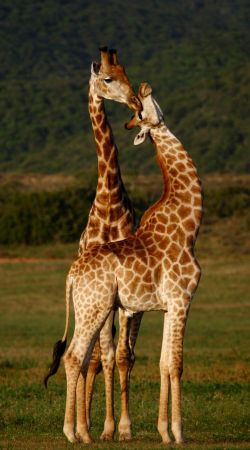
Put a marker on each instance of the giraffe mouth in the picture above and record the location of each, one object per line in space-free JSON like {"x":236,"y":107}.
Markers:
{"x":131,"y":124}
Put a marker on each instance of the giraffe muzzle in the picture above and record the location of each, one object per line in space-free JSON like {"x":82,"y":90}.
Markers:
{"x":131,"y":124}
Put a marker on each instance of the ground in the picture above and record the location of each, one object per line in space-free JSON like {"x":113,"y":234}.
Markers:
{"x":216,"y":357}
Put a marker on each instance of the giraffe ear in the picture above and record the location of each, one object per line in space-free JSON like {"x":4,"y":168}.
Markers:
{"x":95,"y":67}
{"x":140,"y":137}
{"x":144,"y":90}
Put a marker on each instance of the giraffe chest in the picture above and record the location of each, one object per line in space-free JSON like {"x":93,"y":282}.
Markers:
{"x":153,"y":280}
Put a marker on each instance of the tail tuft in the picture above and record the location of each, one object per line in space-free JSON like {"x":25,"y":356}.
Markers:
{"x":58,"y":351}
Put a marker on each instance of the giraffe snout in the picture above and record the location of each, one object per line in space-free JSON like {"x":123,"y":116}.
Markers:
{"x":131,"y":124}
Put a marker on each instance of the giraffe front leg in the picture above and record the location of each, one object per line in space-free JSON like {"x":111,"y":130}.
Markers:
{"x":165,"y":381}
{"x":123,"y":362}
{"x":108,"y":364}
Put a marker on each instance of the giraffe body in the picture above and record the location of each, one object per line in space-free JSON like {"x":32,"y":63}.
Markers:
{"x":153,"y":270}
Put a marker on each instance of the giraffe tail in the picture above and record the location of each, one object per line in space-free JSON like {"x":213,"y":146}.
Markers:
{"x":60,"y":346}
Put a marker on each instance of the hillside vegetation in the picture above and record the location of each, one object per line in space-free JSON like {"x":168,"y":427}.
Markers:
{"x":46,"y":209}
{"x":195,"y":54}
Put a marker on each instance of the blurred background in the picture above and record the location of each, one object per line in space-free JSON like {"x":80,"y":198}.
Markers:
{"x":195,"y":55}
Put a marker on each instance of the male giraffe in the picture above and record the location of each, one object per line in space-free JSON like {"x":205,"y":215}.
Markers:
{"x":111,"y":218}
{"x":153,"y":270}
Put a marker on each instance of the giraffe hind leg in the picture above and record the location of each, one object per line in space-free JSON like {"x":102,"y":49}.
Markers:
{"x":72,"y":368}
{"x":82,"y":428}
{"x":123,"y":362}
{"x":108,"y":364}
{"x":95,"y":366}
{"x":76,"y":360}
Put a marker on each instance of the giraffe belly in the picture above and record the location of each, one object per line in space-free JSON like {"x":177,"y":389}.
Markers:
{"x":133,"y":303}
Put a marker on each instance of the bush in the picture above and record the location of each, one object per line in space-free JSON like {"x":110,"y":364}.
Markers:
{"x":40,"y":217}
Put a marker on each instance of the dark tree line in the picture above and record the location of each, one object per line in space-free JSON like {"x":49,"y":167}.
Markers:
{"x":41,"y":217}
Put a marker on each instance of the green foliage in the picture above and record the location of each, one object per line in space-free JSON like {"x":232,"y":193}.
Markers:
{"x":195,"y":54}
{"x":39,"y":217}
{"x":225,"y":202}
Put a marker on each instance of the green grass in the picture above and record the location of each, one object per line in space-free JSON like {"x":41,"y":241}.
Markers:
{"x":216,"y":358}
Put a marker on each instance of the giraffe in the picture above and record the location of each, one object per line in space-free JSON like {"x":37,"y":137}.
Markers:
{"x":111,"y":218}
{"x":153,"y":270}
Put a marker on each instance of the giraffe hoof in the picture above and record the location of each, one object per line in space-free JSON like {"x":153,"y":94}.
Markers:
{"x":107,"y":437}
{"x":72,"y":438}
{"x":88,"y":440}
{"x":166,"y":440}
{"x":125,"y":436}
{"x":83,"y":437}
{"x":180,"y":441}
{"x":78,"y":437}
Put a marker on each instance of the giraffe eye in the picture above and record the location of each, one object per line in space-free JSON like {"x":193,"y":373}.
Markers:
{"x":140,"y":115}
{"x":108,"y":80}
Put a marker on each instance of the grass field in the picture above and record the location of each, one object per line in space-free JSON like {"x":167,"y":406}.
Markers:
{"x":216,"y":362}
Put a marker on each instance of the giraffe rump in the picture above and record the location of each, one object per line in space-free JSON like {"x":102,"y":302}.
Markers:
{"x":58,"y":351}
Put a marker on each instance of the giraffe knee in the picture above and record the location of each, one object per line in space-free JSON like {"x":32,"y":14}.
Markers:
{"x":71,"y":359}
{"x":123,"y":358}
{"x":95,"y":364}
{"x":164,"y":367}
{"x":108,"y":357}
{"x":175,"y":372}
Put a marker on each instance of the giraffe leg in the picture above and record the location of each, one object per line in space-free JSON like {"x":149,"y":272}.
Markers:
{"x":123,"y":362}
{"x":133,"y":333}
{"x":93,"y":369}
{"x":125,"y":359}
{"x":175,"y":378}
{"x":176,"y":368}
{"x":172,"y":364}
{"x":76,"y":359}
{"x":82,"y":428}
{"x":108,"y":364}
{"x":165,"y":381}
{"x":72,"y":369}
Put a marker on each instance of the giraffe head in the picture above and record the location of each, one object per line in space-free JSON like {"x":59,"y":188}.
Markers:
{"x":111,"y":82}
{"x":150,"y":116}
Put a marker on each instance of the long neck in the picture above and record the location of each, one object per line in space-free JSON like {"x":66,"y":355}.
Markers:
{"x":107,"y":155}
{"x":111,"y":217}
{"x":180,"y":206}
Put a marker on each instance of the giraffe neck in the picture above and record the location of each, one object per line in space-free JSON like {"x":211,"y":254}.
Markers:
{"x":111,"y":217}
{"x":180,"y":207}
{"x":107,"y":154}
